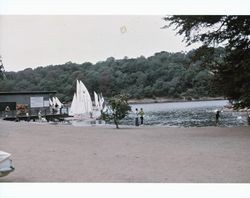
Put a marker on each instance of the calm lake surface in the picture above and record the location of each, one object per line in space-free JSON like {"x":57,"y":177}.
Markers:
{"x":187,"y":114}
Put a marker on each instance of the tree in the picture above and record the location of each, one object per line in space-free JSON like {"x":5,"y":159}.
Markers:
{"x":117,"y":109}
{"x":233,"y":32}
{"x":2,"y":74}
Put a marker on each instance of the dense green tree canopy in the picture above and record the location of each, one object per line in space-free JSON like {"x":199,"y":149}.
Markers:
{"x":232,"y":72}
{"x":172,"y":75}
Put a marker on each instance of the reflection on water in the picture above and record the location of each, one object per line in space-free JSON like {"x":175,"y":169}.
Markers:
{"x":187,"y":114}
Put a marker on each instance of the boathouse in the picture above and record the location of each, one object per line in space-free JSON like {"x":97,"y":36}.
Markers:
{"x":32,"y":100}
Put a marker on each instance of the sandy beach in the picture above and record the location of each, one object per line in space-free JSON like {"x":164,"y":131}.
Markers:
{"x":64,"y":153}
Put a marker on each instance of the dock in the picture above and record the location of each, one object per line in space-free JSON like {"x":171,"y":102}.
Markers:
{"x":35,"y":115}
{"x":48,"y":117}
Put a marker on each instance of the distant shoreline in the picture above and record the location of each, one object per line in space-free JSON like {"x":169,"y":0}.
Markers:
{"x":165,"y":100}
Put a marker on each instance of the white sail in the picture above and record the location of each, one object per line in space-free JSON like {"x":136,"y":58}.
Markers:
{"x":81,"y":106}
{"x":97,"y":110}
{"x":102,"y":103}
{"x":58,"y":102}
{"x":54,"y":101}
{"x":97,"y":103}
{"x":50,"y":102}
{"x":73,"y":107}
{"x":87,"y":98}
{"x":81,"y":103}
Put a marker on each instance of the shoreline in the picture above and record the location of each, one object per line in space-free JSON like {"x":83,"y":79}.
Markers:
{"x":169,"y":100}
{"x":113,"y":126}
{"x":227,"y":108}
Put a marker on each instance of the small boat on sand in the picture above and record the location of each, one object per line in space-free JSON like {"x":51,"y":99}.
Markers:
{"x":5,"y":164}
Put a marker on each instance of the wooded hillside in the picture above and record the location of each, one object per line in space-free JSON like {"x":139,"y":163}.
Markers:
{"x":173,"y":75}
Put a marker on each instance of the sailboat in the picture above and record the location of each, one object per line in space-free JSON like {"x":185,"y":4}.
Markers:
{"x":97,"y":102}
{"x":87,"y":99}
{"x":102,"y":103}
{"x":58,"y":103}
{"x":55,"y":104}
{"x":97,"y":108}
{"x":81,"y":104}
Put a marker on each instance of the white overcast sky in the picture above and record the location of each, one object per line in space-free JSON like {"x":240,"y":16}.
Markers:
{"x":39,"y":33}
{"x":31,"y":40}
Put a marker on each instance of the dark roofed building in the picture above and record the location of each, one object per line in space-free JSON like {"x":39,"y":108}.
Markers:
{"x":31,"y":99}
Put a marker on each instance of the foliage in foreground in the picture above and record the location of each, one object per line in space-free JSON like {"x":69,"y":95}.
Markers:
{"x":232,"y":74}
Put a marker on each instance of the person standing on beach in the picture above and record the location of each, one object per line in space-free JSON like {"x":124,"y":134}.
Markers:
{"x":136,"y":117}
{"x":217,"y":116}
{"x":141,"y":113}
{"x":248,"y":118}
{"x":39,"y":116}
{"x":7,"y":110}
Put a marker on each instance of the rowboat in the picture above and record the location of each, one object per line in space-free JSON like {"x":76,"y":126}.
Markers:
{"x":5,"y":164}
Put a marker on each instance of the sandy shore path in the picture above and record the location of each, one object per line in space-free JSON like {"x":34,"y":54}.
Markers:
{"x":60,"y":153}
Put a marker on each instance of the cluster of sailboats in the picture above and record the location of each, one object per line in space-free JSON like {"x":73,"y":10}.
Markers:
{"x":55,"y":103}
{"x":82,"y":105}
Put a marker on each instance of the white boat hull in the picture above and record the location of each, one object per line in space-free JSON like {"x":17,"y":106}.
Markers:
{"x":5,"y":164}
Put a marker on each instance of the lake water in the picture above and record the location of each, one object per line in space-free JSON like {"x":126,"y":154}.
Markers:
{"x":187,"y":114}
{"x":180,"y":114}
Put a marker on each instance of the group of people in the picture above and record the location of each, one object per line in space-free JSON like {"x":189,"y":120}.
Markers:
{"x":139,"y":117}
{"x":139,"y":114}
